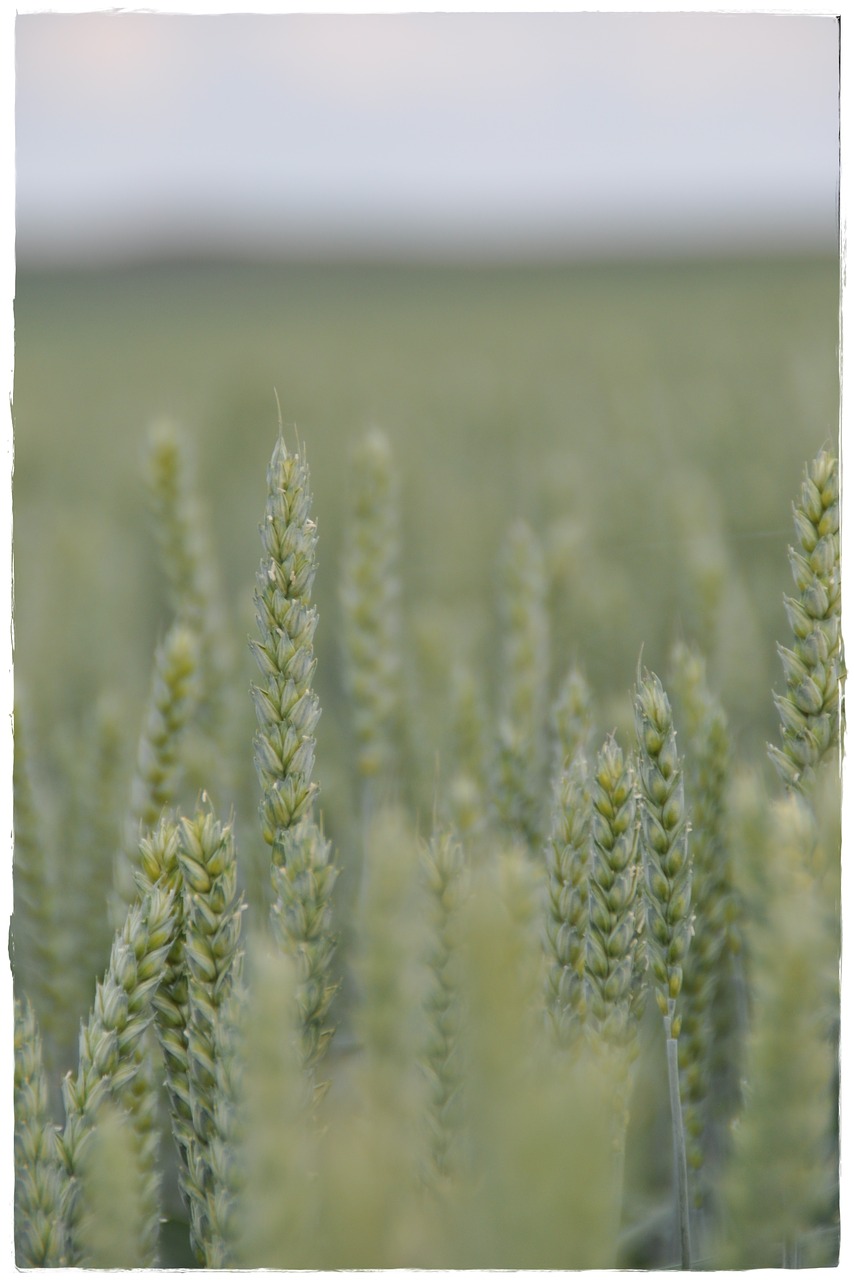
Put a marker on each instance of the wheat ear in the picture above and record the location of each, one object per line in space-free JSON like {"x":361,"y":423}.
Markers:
{"x":212,"y":955}
{"x":776,"y":1182}
{"x":285,"y":704}
{"x":567,"y":854}
{"x":520,"y":765}
{"x":158,"y":766}
{"x":708,"y":753}
{"x":113,"y":1060}
{"x":39,"y":1180}
{"x":370,"y":597}
{"x":572,"y":720}
{"x":442,"y":865}
{"x":183,"y":529}
{"x":614,"y":978}
{"x":34,"y":949}
{"x":809,"y":710}
{"x":613,"y":953}
{"x":271,"y":1185}
{"x":303,"y":879}
{"x":112,"y":1194}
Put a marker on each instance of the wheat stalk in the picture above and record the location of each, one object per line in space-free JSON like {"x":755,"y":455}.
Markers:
{"x":667,"y":896}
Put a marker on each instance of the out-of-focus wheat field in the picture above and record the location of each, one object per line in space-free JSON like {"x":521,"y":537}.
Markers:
{"x":649,"y":421}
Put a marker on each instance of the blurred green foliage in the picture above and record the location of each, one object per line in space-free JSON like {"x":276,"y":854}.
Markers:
{"x":649,"y":421}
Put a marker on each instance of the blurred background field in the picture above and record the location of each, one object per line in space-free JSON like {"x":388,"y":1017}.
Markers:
{"x":650,"y":422}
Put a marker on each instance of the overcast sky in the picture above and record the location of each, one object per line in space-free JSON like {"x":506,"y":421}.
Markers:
{"x":469,"y":132}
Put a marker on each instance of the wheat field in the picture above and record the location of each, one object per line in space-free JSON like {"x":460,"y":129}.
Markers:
{"x":426,"y":765}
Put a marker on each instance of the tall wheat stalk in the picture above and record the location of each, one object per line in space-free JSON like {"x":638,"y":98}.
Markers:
{"x":667,"y":897}
{"x":708,"y":964}
{"x":303,"y":869}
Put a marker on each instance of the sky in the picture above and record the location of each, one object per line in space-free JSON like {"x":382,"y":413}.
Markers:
{"x":440,"y":133}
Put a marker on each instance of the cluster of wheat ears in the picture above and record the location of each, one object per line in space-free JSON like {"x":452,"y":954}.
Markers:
{"x":484,"y":1102}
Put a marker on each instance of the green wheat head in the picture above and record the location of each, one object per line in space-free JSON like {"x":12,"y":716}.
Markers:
{"x":285,"y":703}
{"x":809,"y":709}
{"x":664,"y":841}
{"x":371,"y":615}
